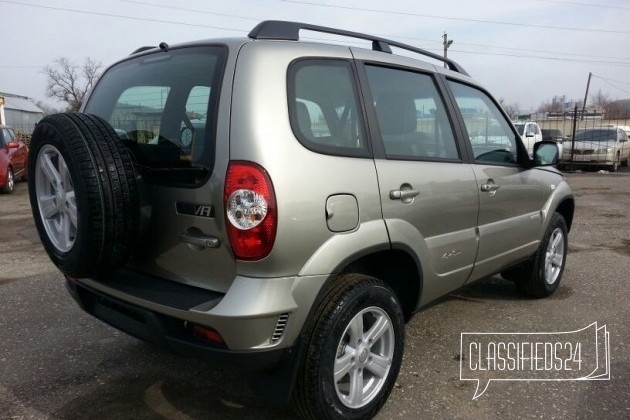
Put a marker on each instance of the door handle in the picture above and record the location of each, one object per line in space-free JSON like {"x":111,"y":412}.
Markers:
{"x":403,"y":194}
{"x":199,"y":240}
{"x":489,"y":187}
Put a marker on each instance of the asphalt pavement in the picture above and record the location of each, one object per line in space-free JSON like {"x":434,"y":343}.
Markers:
{"x":58,"y":362}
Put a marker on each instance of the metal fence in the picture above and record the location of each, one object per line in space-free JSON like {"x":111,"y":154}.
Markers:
{"x":589,"y":143}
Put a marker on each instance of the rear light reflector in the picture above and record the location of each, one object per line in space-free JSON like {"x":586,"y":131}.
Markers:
{"x":250,"y":210}
{"x":207,"y":334}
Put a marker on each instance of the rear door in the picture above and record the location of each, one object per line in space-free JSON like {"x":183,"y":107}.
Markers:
{"x":428,"y":194}
{"x":510,"y":195}
{"x":168,"y":109}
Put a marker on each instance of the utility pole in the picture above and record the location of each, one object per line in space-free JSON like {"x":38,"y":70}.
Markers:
{"x":447,"y":44}
{"x":586,"y":94}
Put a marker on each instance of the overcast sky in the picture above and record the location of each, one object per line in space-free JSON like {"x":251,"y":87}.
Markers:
{"x":524,"y":51}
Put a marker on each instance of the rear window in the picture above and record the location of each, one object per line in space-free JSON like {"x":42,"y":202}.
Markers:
{"x":163,"y":107}
{"x":596,"y":135}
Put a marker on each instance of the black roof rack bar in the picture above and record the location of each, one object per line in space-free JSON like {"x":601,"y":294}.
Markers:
{"x":148,"y":47}
{"x":279,"y":29}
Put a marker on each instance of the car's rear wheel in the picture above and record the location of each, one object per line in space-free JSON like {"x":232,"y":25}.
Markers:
{"x":354,"y":351}
{"x":83,"y":194}
{"x":9,"y":186}
{"x":540,"y":276}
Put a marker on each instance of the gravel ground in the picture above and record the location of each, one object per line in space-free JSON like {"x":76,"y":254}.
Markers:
{"x":57,"y":362}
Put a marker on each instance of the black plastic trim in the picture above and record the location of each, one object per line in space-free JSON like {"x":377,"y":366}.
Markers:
{"x":168,"y":332}
{"x":160,"y":291}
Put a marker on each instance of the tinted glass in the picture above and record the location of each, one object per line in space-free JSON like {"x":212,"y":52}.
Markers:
{"x":411,"y":115}
{"x":596,"y":135}
{"x":4,"y":137}
{"x":161,"y":106}
{"x":324,"y":108}
{"x":489,"y":132}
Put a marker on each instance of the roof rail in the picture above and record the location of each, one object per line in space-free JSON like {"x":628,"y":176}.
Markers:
{"x":148,"y":47}
{"x":279,"y":29}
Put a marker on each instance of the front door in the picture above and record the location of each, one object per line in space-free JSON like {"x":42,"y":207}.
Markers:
{"x":510,"y":195}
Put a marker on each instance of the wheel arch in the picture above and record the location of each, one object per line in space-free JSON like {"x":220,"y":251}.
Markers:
{"x":395,"y":265}
{"x":567,"y":208}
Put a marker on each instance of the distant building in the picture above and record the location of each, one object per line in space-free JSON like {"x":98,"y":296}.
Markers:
{"x":20,"y":113}
{"x":618,"y":109}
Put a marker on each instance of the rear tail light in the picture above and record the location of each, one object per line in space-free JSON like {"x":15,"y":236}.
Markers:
{"x":250,"y":210}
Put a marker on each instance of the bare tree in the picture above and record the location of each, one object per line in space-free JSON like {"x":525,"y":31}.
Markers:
{"x":69,"y":82}
{"x":47,"y":108}
{"x":511,"y":109}
{"x":554,"y":106}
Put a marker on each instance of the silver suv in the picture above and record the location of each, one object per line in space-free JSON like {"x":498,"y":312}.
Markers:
{"x":289,"y":205}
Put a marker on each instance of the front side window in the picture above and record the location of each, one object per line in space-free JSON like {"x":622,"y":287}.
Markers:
{"x":163,"y":106}
{"x":324,"y":108}
{"x":411,"y":115}
{"x":489,"y":132}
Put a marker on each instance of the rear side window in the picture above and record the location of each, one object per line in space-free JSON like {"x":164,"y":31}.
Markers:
{"x":324,"y":107}
{"x":163,"y":106}
{"x":411,"y":115}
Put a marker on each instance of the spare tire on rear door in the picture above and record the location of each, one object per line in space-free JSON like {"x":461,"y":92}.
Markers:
{"x":83,"y":193}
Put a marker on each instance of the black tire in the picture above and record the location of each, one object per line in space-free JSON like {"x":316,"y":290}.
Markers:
{"x":9,"y":185}
{"x":315,"y":395}
{"x":105,"y":193}
{"x":615,"y":166}
{"x":530,"y":277}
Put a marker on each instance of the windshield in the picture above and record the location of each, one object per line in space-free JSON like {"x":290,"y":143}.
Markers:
{"x":520,"y":128}
{"x":163,"y":107}
{"x":596,"y":135}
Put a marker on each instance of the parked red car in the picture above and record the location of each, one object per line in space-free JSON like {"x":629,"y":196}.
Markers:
{"x":13,"y":159}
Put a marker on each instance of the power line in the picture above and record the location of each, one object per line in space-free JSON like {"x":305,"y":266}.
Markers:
{"x":612,"y":63}
{"x":185,"y":9}
{"x":616,"y":87}
{"x":611,"y":80}
{"x":575,"y":3}
{"x":394,"y":36}
{"x":255,"y":19}
{"x":240,"y":30}
{"x":492,"y":22}
{"x":85,"y":12}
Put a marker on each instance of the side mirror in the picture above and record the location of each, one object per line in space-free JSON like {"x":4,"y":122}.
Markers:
{"x":546,"y":153}
{"x":13,"y":145}
{"x":623,"y":140}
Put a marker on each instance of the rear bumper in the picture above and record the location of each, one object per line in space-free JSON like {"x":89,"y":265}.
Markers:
{"x":170,"y":333}
{"x":256,"y":315}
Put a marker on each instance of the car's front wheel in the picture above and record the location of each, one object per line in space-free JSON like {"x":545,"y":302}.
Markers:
{"x":10,"y":184}
{"x":354,"y":351}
